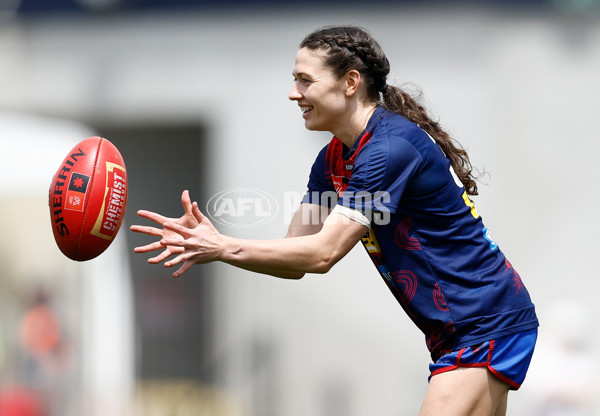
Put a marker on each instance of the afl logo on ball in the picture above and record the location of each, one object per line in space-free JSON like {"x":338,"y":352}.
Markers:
{"x":76,"y":192}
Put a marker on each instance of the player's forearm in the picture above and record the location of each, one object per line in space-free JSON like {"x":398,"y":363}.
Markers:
{"x":286,"y":258}
{"x":287,"y":274}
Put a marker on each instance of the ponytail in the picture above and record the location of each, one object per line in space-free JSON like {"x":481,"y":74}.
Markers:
{"x":398,"y":101}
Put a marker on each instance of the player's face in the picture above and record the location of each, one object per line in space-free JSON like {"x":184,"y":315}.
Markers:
{"x":318,"y":91}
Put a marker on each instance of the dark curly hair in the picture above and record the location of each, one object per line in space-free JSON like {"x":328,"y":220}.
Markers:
{"x":352,"y":48}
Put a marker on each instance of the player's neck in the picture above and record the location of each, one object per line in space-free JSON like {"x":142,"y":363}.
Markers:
{"x":350,"y":131}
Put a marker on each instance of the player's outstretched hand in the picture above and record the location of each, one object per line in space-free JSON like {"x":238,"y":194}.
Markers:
{"x":199,"y":244}
{"x":187,"y":220}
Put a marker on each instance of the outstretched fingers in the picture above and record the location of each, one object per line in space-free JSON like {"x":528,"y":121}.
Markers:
{"x":185,"y":259}
{"x":186,"y":266}
{"x":198,"y":214}
{"x":152,"y":216}
{"x":179,"y":229}
{"x":149,"y":247}
{"x":146,"y":230}
{"x":165,"y":255}
{"x":186,"y":202}
{"x":176,"y":236}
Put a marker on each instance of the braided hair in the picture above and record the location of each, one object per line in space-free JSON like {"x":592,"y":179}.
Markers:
{"x":352,"y":48}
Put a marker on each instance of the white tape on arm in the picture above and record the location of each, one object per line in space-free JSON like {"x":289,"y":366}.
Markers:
{"x":353,"y":214}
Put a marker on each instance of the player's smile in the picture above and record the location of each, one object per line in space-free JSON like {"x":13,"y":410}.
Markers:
{"x":305,"y":110}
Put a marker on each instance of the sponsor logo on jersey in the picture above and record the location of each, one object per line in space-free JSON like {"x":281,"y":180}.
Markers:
{"x":488,"y":236}
{"x":340,"y":183}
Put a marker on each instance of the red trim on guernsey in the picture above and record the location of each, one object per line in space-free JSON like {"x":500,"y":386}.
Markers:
{"x":503,"y":378}
{"x":340,"y":170}
{"x":459,"y":355}
{"x":444,"y":370}
{"x":489,"y":359}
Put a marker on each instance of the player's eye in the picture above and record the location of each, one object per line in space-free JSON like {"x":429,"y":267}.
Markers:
{"x":302,"y":80}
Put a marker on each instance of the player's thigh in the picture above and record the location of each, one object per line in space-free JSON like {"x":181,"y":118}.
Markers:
{"x":502,"y":406}
{"x":465,"y":392}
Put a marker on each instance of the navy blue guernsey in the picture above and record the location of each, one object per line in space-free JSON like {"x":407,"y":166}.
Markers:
{"x":426,"y":238}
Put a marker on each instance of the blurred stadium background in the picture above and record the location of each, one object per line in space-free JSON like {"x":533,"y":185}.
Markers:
{"x":194,"y":93}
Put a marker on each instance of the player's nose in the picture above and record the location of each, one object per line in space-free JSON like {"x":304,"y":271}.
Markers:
{"x":295,"y":94}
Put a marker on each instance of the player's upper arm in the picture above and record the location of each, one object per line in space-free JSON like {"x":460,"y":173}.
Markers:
{"x":342,"y":229}
{"x":308,"y":220}
{"x":333,"y":233}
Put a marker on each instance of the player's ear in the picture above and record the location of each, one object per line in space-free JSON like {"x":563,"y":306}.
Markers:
{"x":352,"y":82}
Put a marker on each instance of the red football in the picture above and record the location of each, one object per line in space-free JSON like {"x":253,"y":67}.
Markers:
{"x":87,"y":198}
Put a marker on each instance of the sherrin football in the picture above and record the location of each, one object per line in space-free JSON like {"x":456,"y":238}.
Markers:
{"x":87,"y":198}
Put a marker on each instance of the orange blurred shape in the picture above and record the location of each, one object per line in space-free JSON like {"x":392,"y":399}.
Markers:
{"x":40,"y":332}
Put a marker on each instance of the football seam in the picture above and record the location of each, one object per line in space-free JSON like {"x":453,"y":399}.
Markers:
{"x":87,"y":197}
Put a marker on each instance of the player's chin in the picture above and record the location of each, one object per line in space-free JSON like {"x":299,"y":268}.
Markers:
{"x":312,"y":126}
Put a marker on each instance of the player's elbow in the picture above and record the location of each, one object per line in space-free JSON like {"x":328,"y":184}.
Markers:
{"x":295,"y":275}
{"x":322,"y":269}
{"x":325,"y":264}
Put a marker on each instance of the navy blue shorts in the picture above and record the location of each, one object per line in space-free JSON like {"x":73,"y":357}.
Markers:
{"x":506,"y":357}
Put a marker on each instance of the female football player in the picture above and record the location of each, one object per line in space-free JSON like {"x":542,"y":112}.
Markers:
{"x":403,"y":188}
